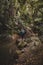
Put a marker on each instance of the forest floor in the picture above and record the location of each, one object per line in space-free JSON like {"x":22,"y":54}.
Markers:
{"x":30,"y":50}
{"x":23,"y":51}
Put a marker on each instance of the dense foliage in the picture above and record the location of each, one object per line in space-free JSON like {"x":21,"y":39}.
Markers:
{"x":25,"y":12}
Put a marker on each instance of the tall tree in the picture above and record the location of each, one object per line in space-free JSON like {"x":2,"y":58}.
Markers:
{"x":6,"y":15}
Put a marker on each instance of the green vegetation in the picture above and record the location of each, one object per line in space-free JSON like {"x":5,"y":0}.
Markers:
{"x":21,"y":32}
